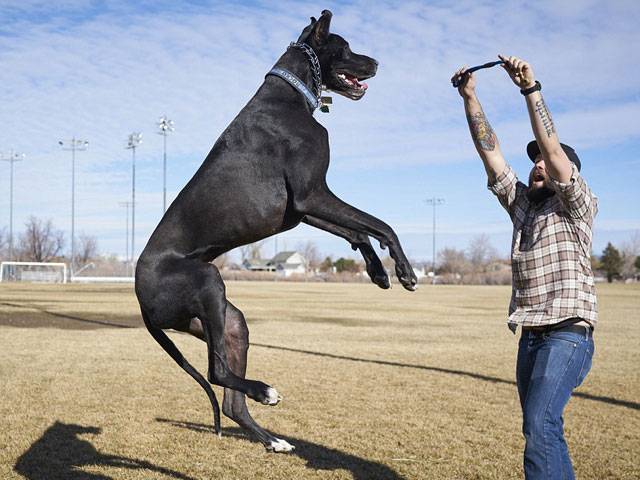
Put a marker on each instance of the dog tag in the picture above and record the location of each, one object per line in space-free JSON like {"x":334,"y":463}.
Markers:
{"x":324,"y":104}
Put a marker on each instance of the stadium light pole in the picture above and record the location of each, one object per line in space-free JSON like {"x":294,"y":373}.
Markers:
{"x":134,"y":140}
{"x":126,"y":243}
{"x":434,"y":201}
{"x":165,"y":125}
{"x":11,"y":158}
{"x":73,"y":145}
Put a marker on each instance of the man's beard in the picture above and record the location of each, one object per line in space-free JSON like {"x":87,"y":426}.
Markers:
{"x":539,"y":195}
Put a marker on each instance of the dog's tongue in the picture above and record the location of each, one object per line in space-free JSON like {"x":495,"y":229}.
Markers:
{"x":358,"y":83}
{"x":354,"y":81}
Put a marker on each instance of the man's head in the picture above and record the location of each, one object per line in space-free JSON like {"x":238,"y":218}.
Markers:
{"x":538,"y":178}
{"x":539,"y":188}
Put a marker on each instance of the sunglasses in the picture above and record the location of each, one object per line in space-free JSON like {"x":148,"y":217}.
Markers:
{"x":457,"y":81}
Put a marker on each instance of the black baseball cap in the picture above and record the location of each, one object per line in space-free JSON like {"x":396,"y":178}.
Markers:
{"x":533,"y":151}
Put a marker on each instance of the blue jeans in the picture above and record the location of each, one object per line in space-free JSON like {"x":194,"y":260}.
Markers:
{"x":550,"y":365}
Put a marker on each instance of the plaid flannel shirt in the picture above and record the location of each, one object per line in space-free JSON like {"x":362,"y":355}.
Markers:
{"x":550,"y":251}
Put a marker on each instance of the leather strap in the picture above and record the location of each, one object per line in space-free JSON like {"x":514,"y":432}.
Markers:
{"x":527,"y":91}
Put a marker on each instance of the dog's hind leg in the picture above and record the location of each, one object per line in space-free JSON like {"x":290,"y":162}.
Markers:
{"x":234,"y":406}
{"x":166,"y":343}
{"x":211,"y":310}
{"x":236,"y":335}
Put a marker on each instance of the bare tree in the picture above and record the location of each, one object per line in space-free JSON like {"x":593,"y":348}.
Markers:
{"x":481,"y":252}
{"x":87,"y":249}
{"x":245,"y":252}
{"x":40,"y":242}
{"x":454,"y":262}
{"x":252,"y":251}
{"x":309,"y":251}
{"x":630,"y":251}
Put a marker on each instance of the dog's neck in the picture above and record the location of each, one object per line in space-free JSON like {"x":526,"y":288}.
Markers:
{"x":297,"y":62}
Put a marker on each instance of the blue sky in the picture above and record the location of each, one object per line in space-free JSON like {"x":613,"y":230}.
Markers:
{"x":100,"y":70}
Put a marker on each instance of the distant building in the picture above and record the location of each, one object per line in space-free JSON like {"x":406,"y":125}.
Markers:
{"x":289,"y":263}
{"x":284,"y":264}
{"x":258,"y":265}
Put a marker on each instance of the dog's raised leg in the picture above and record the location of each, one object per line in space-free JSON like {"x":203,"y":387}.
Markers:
{"x":359,"y":241}
{"x":324,"y":205}
{"x":211,"y":310}
{"x":234,"y":406}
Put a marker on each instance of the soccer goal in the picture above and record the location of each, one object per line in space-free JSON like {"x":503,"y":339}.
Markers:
{"x":35,"y":272}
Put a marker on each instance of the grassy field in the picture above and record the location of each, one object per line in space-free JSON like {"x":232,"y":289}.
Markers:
{"x":376,"y":385}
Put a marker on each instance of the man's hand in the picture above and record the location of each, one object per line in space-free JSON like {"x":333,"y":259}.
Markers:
{"x":467,"y":88}
{"x":520,"y":71}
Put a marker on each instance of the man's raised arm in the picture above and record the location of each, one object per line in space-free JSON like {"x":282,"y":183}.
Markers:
{"x":482,"y":134}
{"x":556,"y":161}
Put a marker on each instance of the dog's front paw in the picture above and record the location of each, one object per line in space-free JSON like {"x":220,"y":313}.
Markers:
{"x":378,"y":275}
{"x":375,"y":269}
{"x":382,"y":281}
{"x":407,"y":277}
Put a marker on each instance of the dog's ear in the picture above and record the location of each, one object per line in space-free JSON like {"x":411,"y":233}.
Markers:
{"x":307,"y":31}
{"x":320,"y":29}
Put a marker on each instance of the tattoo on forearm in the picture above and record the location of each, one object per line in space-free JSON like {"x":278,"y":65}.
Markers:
{"x":545,"y":117}
{"x":481,"y":131}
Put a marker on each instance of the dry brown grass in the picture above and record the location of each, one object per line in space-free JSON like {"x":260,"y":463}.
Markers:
{"x":424,"y":388}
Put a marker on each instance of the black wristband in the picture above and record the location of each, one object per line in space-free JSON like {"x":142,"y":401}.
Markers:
{"x":526,"y":91}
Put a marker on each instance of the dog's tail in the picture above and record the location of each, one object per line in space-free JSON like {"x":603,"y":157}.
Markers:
{"x":170,"y":347}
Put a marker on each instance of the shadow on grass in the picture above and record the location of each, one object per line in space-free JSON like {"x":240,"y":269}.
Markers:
{"x":476,"y":376}
{"x":60,"y":454}
{"x":317,"y":456}
{"x":65,"y":316}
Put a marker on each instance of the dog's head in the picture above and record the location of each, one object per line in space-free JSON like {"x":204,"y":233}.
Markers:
{"x":342,"y":69}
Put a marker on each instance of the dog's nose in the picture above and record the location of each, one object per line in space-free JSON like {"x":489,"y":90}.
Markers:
{"x":375,"y":65}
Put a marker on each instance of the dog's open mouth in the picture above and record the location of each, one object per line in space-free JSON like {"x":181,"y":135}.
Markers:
{"x":352,"y":82}
{"x":350,"y":86}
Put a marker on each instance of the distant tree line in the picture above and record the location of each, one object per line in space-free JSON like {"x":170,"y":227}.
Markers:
{"x":479,"y":263}
{"x":41,"y":241}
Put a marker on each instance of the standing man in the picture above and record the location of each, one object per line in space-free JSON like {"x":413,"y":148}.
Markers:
{"x":553,"y":297}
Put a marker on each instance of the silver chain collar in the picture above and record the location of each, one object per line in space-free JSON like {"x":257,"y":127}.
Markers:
{"x":315,"y":66}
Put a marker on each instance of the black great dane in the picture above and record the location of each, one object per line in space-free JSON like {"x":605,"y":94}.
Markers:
{"x":264,"y":175}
